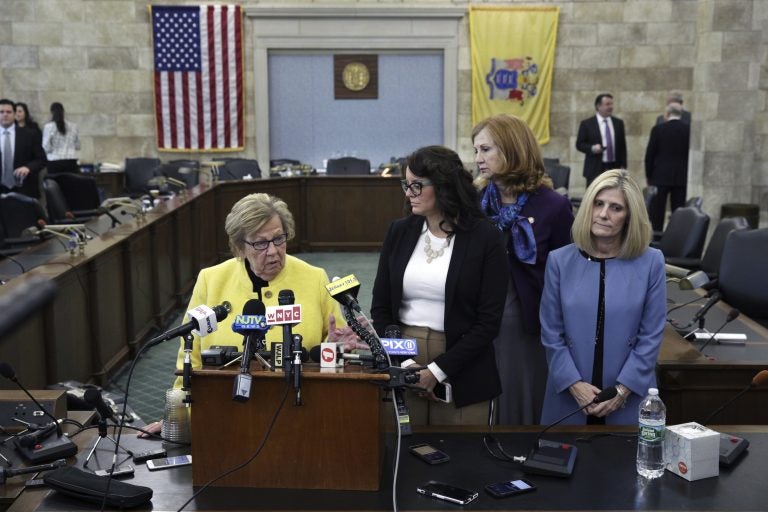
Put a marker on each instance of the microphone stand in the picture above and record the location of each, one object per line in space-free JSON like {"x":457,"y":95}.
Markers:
{"x":186,"y":385}
{"x":296,"y":368}
{"x":103,"y":435}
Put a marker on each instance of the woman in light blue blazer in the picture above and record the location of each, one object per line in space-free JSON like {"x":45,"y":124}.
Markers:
{"x":603,"y":308}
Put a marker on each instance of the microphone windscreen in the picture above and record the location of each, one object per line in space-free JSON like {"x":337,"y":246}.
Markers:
{"x":392,"y":331}
{"x":314,"y":354}
{"x":254,"y":307}
{"x":285,"y":298}
{"x":733,"y":314}
{"x":606,"y":394}
{"x":761,"y":378}
{"x":222,"y":311}
{"x":6,"y":370}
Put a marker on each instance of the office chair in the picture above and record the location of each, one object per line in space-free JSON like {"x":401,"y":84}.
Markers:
{"x":59,"y":211}
{"x":560,"y":174}
{"x":685,"y":234}
{"x":695,"y":201}
{"x":237,"y":169}
{"x":742,"y":278}
{"x":17,"y":213}
{"x":80,"y":192}
{"x":347,"y":166}
{"x":187,"y":171}
{"x":710,"y":261}
{"x":138,"y":172}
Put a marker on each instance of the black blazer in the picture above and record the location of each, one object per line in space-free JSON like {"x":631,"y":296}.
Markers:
{"x":589,"y":135}
{"x":28,"y":151}
{"x":475,"y":292}
{"x":666,"y":156}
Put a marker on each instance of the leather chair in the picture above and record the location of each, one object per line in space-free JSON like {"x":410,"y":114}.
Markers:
{"x":685,"y":234}
{"x":742,"y":278}
{"x":348,"y":166}
{"x":710,"y":261}
{"x":17,"y":213}
{"x":138,"y":172}
{"x":59,"y":211}
{"x":237,"y":169}
{"x":80,"y":192}
{"x":695,"y":201}
{"x":560,"y":174}
{"x":187,"y":171}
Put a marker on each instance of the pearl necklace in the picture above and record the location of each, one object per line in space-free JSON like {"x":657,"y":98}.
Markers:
{"x":431,"y":253}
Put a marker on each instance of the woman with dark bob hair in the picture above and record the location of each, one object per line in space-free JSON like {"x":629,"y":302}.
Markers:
{"x":604,"y":307}
{"x":438,"y":279}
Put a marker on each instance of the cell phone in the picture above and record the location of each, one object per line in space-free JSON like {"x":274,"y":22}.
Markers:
{"x":509,"y":488}
{"x":443,"y":392}
{"x":140,"y":457}
{"x":446,"y":492}
{"x":120,"y":471}
{"x":429,"y":454}
{"x":169,"y":462}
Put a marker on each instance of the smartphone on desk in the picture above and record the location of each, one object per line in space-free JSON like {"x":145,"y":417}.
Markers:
{"x":446,"y":492}
{"x":169,"y":462}
{"x":429,"y":453}
{"x":509,"y":488}
{"x":120,"y":471}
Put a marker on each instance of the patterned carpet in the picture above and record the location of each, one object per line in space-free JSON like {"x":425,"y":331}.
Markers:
{"x":154,"y":371}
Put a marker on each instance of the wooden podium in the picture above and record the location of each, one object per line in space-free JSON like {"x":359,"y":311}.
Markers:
{"x":333,"y":441}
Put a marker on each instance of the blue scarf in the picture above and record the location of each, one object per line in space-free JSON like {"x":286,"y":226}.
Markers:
{"x":508,"y":219}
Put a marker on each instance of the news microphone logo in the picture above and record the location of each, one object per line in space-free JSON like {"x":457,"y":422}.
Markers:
{"x":248,"y":323}
{"x":278,"y":315}
{"x":204,"y":316}
{"x":344,"y":284}
{"x":329,"y":355}
{"x":400,"y":346}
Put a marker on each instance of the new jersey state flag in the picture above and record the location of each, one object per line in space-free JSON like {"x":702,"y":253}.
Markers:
{"x":513,"y":54}
{"x":198,"y":76}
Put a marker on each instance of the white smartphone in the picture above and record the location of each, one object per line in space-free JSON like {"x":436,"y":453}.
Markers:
{"x":169,"y":462}
{"x":443,"y":392}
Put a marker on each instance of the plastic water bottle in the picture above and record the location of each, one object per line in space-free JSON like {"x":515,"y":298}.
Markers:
{"x":650,"y":437}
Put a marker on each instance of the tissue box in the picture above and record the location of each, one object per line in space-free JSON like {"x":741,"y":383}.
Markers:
{"x":692,"y":451}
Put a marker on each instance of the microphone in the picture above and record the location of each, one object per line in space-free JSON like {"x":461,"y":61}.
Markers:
{"x":35,"y":451}
{"x":93,"y":397}
{"x":731,"y":447}
{"x":699,"y":316}
{"x":6,"y":473}
{"x":296,"y":367}
{"x":252,"y":317}
{"x":344,"y":290}
{"x":733,"y":314}
{"x":286,"y":298}
{"x":678,"y":306}
{"x":392,"y":334}
{"x":203,"y":322}
{"x":557,"y":459}
{"x":318,"y":355}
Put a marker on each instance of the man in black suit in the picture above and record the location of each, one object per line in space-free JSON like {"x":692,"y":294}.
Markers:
{"x":601,"y":138}
{"x":666,"y":163}
{"x":21,"y":154}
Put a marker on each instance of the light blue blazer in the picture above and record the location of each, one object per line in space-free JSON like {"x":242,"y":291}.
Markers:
{"x":635,"y":315}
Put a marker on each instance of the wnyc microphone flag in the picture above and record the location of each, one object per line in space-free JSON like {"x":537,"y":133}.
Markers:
{"x":279,"y":315}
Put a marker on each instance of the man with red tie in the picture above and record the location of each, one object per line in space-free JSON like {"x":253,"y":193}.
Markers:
{"x":602,"y":139}
{"x":21,"y":154}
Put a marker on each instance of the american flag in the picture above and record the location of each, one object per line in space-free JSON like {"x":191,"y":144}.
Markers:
{"x":199,"y":91}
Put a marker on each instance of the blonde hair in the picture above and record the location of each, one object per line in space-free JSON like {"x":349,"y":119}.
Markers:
{"x":250,"y":213}
{"x":519,"y":150}
{"x":637,"y":232}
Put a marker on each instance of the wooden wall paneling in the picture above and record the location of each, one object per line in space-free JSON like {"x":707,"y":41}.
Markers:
{"x":184,"y":231}
{"x":70,"y":328}
{"x":162,"y":236}
{"x":140,"y":297}
{"x":25,"y":349}
{"x":108,"y":312}
{"x":206,"y":227}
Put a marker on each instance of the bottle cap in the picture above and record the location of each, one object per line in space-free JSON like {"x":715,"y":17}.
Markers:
{"x":653,"y":391}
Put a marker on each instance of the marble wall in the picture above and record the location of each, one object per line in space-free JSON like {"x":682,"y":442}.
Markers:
{"x":95,"y":57}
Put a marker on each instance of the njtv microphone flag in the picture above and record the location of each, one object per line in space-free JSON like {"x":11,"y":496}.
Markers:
{"x":198,"y":77}
{"x":513,"y":54}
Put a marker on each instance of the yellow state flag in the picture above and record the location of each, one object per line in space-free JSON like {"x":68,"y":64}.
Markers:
{"x":513,"y":55}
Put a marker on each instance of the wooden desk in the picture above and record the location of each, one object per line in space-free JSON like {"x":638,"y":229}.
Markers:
{"x":693,"y":385}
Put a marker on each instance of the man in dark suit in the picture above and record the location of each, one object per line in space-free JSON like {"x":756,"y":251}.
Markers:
{"x":666,"y":163}
{"x":21,"y":154}
{"x":676,"y":97}
{"x":602,"y":139}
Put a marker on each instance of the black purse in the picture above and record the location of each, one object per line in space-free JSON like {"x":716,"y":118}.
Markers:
{"x":91,"y":488}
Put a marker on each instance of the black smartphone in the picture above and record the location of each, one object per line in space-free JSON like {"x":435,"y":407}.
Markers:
{"x":509,"y":488}
{"x":429,"y":453}
{"x":446,"y":492}
{"x":120,"y":471}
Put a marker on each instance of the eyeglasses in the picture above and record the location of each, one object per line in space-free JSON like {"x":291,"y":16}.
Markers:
{"x":415,"y":186}
{"x":261,"y":245}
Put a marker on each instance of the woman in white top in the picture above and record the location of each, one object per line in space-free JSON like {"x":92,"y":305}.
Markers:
{"x":61,"y":141}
